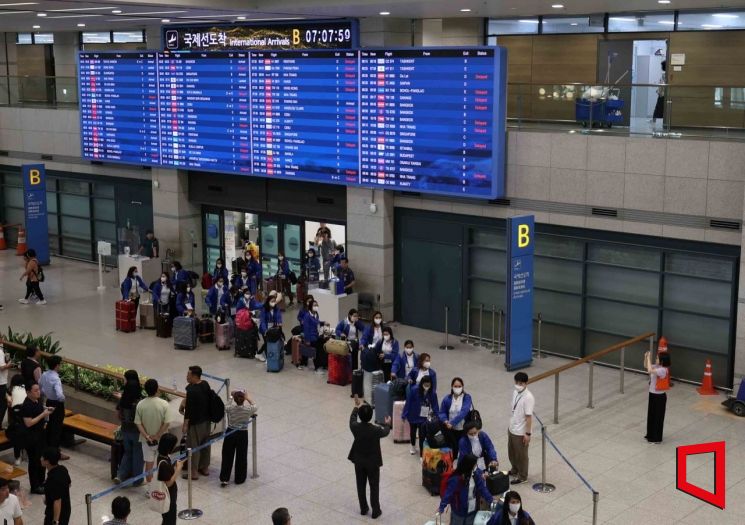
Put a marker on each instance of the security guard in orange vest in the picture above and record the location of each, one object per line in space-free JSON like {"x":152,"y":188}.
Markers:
{"x":659,"y":383}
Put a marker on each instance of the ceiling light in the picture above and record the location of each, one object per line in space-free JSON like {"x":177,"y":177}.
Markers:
{"x":78,"y":9}
{"x":385,"y":13}
{"x":466,"y":10}
{"x":711,"y":26}
{"x":130,"y":19}
{"x":666,"y":22}
{"x":663,"y":1}
{"x":526,"y":21}
{"x":36,"y":27}
{"x":558,"y":6}
{"x":13,"y":12}
{"x":116,"y":11}
{"x":41,"y":14}
{"x":158,"y":13}
{"x":18,"y":3}
{"x":72,"y":16}
{"x":241,"y":18}
{"x":165,"y":20}
{"x":81,"y":25}
{"x":574,"y":24}
{"x":621,"y":19}
{"x":724,"y":15}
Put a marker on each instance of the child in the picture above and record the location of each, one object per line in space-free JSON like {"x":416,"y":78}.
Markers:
{"x":235,"y":446}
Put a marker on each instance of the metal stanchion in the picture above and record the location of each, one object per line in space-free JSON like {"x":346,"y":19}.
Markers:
{"x":595,"y":499}
{"x":189,"y":513}
{"x":467,"y":339}
{"x":88,"y":511}
{"x":493,"y":328}
{"x":499,"y":332}
{"x":621,"y":359}
{"x":543,"y":487}
{"x":540,"y":322}
{"x":589,"y":395}
{"x":445,"y":345}
{"x":480,"y":342}
{"x":556,"y":399}
{"x":254,"y":455}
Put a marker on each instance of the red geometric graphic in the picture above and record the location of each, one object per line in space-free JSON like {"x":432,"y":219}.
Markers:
{"x":718,"y":448}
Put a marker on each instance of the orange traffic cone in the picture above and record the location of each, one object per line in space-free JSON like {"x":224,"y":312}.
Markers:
{"x":3,"y":244}
{"x":21,"y":247}
{"x":707,"y":385}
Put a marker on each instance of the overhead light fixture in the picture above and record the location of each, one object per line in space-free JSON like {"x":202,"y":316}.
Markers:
{"x":71,"y":16}
{"x":130,"y":19}
{"x":36,"y":27}
{"x":78,"y":9}
{"x":16,"y":4}
{"x":157,"y":13}
{"x":116,"y":11}
{"x":166,"y":20}
{"x":465,"y":10}
{"x":666,"y":22}
{"x":724,"y":15}
{"x":711,"y":26}
{"x":81,"y":25}
{"x":527,"y":21}
{"x":14,"y":12}
{"x":385,"y":13}
{"x":663,"y":1}
{"x":558,"y":6}
{"x":240,"y":18}
{"x":574,"y":24}
{"x":41,"y":14}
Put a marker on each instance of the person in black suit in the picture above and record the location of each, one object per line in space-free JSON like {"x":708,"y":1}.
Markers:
{"x":365,"y":454}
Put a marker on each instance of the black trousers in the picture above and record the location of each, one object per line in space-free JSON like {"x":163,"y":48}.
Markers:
{"x":3,"y":406}
{"x":386,"y":368}
{"x":235,"y":448}
{"x":355,"y":346}
{"x":33,"y":287}
{"x":54,"y":424}
{"x":452,"y":437}
{"x":34,"y":443}
{"x":367,"y":475}
{"x":413,"y":427}
{"x":656,"y":417}
{"x":659,"y":108}
{"x":322,"y":358}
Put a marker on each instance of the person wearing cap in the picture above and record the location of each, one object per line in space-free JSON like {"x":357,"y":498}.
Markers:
{"x":346,"y":275}
{"x":235,"y":446}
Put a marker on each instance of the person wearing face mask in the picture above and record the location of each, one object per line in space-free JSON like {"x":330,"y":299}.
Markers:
{"x":453,"y":411}
{"x":164,"y":296}
{"x":477,"y":442}
{"x":519,"y":432}
{"x":350,"y":329}
{"x":512,"y":512}
{"x":270,"y":316}
{"x":465,"y":488}
{"x":220,"y":271}
{"x":132,"y":285}
{"x":254,"y":274}
{"x":179,"y":276}
{"x":247,"y":300}
{"x":423,"y":369}
{"x":388,"y":347}
{"x":185,"y":300}
{"x":283,"y":274}
{"x":312,"y":266}
{"x":242,"y":262}
{"x":241,"y":278}
{"x":373,"y":333}
{"x":405,"y":362}
{"x":216,"y":296}
{"x":312,"y":327}
{"x":420,"y":401}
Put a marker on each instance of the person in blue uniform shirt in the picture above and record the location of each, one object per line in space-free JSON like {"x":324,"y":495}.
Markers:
{"x":132,"y":285}
{"x":164,"y":295}
{"x":453,"y":411}
{"x":283,"y":274}
{"x":254,"y":274}
{"x":270,"y":316}
{"x":185,"y":300}
{"x":374,"y":332}
{"x":388,"y":346}
{"x":346,"y":275}
{"x":311,"y":329}
{"x":247,"y":300}
{"x":216,"y":295}
{"x":464,"y":491}
{"x":338,"y":253}
{"x":220,"y":271}
{"x":312,"y":266}
{"x":240,"y":279}
{"x":351,"y":329}
{"x":423,"y":369}
{"x":179,"y":276}
{"x":303,"y":308}
{"x":477,"y":442}
{"x":420,"y":402}
{"x":406,"y":361}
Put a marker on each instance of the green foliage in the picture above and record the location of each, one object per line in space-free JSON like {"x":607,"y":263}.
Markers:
{"x":43,"y":343}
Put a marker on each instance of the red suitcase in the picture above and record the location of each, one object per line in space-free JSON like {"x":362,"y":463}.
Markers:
{"x":295,"y":346}
{"x":401,"y":430}
{"x":340,"y":370}
{"x":126,"y":316}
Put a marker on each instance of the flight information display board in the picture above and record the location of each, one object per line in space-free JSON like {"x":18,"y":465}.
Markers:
{"x":304,"y":119}
{"x":119,"y":107}
{"x":417,"y":120}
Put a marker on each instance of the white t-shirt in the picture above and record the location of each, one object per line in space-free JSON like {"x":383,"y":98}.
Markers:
{"x":478,"y":451}
{"x":657,"y":371}
{"x":455,"y":407}
{"x":17,"y":395}
{"x":522,"y":405}
{"x":10,"y":509}
{"x":352,"y":332}
{"x":409,"y":363}
{"x":471,"y":496}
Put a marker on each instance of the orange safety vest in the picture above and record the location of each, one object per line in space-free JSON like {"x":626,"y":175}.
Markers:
{"x":663,"y":383}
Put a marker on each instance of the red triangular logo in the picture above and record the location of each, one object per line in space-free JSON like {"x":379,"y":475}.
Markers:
{"x":718,"y":448}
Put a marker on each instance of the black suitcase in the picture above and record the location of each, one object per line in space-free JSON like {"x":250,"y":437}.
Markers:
{"x":431,"y":481}
{"x":498,"y":483}
{"x":206,"y":330}
{"x":358,"y":383}
{"x":163,"y":325}
{"x":246,"y":343}
{"x":117,"y":453}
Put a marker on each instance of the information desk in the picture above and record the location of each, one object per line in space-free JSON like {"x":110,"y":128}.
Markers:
{"x":150,"y":269}
{"x":333,"y":308}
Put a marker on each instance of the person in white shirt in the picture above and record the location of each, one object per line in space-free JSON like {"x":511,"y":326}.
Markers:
{"x":10,"y":507}
{"x":521,"y":424}
{"x":5,"y":365}
{"x":659,"y":384}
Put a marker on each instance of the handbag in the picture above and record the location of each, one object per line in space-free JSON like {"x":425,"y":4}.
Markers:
{"x":293,"y":278}
{"x":473,"y":415}
{"x":160,"y":498}
{"x":307,"y":350}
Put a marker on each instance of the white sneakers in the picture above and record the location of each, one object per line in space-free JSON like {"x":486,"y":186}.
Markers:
{"x":412,"y":450}
{"x":43,"y":301}
{"x":23,"y":301}
{"x":261,"y":358}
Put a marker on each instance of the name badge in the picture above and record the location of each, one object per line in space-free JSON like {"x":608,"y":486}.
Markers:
{"x":424,"y":412}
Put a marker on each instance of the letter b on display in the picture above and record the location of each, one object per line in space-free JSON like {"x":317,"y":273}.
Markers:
{"x":523,"y":236}
{"x":295,"y":37}
{"x":34,"y":177}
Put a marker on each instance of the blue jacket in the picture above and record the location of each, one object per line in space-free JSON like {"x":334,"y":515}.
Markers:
{"x":456,"y":493}
{"x":393,"y":355}
{"x":415,"y":372}
{"x":157,"y":289}
{"x":252,"y":305}
{"x":445,"y":409}
{"x":413,"y":407}
{"x":254,"y":275}
{"x":269,"y":318}
{"x":368,"y":335}
{"x":212,"y":298}
{"x":127,"y":287}
{"x":496,"y":519}
{"x":222,"y":272}
{"x":182,"y":299}
{"x":239,"y":282}
{"x":283,"y":268}
{"x":179,"y":277}
{"x":310,"y":323}
{"x":342,"y":329}
{"x":487,"y":447}
{"x":399,"y":364}
{"x":312,"y":266}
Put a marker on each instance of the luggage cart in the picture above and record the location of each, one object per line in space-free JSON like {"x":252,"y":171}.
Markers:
{"x":601,"y":112}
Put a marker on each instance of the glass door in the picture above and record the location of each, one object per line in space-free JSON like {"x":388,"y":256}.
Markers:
{"x":269,"y":244}
{"x":293,"y":246}
{"x":213,"y":248}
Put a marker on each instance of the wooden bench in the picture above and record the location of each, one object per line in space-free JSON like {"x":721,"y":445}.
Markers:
{"x":91,"y":428}
{"x":8,"y":471}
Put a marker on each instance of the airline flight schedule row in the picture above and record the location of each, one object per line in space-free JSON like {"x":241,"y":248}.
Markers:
{"x":415,"y":120}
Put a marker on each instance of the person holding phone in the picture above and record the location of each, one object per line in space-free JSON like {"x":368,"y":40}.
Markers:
{"x":34,"y":415}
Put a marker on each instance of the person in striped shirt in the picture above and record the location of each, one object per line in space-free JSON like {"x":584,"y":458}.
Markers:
{"x":235,"y":445}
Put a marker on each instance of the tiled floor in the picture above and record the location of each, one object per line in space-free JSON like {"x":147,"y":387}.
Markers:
{"x":303,"y":435}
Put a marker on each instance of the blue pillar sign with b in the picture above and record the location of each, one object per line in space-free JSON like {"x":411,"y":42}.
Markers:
{"x":35,"y":210}
{"x":519,"y":290}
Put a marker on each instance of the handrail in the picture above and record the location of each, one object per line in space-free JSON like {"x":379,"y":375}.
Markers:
{"x":92,"y":368}
{"x":592,"y":357}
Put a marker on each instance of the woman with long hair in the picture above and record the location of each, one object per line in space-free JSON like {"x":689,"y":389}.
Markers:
{"x":132,"y":461}
{"x":512,"y":512}
{"x":168,"y":473}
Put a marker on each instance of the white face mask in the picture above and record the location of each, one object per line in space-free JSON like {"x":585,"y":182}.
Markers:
{"x":458,"y":390}
{"x":247,"y":297}
{"x":219,"y":265}
{"x":173,"y":269}
{"x":519,"y":388}
{"x":272,"y":304}
{"x":426,"y":389}
{"x":378,"y":321}
{"x":426,"y":365}
{"x":315,"y":309}
{"x":163,"y":279}
{"x":188,"y":290}
{"x":473,"y":439}
{"x":514,"y":508}
{"x":409,"y":351}
{"x":218,"y":285}
{"x":281,"y":258}
{"x":244,"y":274}
{"x":386,"y":337}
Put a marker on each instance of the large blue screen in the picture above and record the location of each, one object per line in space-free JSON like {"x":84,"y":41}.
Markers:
{"x":417,"y":120}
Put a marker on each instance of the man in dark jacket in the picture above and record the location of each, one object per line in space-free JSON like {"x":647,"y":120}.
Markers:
{"x":365,"y":454}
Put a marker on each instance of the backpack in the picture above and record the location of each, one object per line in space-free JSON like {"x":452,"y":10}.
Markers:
{"x":216,"y":407}
{"x":206,"y":281}
{"x":243,"y":320}
{"x":444,"y":485}
{"x":40,"y":275}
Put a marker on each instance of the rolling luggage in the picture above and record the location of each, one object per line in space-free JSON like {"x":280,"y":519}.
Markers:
{"x":206,"y":329}
{"x":275,"y":356}
{"x":223,"y":333}
{"x":163,"y":325}
{"x":340,"y":370}
{"x":147,"y":315}
{"x":401,"y":431}
{"x":336,"y":346}
{"x":371,"y":380}
{"x":398,"y":389}
{"x":433,"y":433}
{"x":295,"y":345}
{"x":126,"y":314}
{"x":357,"y":383}
{"x":435,"y":463}
{"x":246,"y":342}
{"x":383,"y":402}
{"x":185,"y":333}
